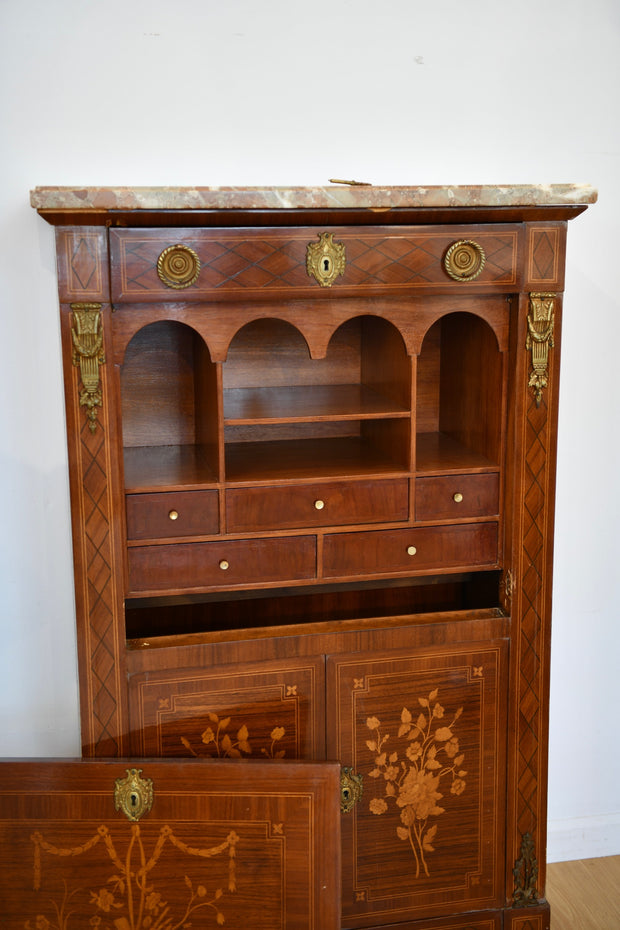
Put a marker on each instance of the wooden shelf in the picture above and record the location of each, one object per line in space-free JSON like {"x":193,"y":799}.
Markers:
{"x":157,"y":468}
{"x":311,"y":403}
{"x":438,"y":454}
{"x":311,"y":458}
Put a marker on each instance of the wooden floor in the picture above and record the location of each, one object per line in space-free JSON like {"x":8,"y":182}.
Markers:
{"x":585,"y":894}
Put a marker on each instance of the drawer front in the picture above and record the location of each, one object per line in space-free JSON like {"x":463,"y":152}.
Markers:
{"x":452,"y":496}
{"x":173,"y":513}
{"x":190,"y":264}
{"x":433,"y":548}
{"x":334,"y":504}
{"x":221,"y":564}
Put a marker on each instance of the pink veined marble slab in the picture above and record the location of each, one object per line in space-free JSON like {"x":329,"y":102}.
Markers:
{"x":286,"y":198}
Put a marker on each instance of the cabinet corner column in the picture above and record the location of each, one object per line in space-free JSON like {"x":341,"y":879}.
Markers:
{"x":93,"y":441}
{"x":535,"y":425}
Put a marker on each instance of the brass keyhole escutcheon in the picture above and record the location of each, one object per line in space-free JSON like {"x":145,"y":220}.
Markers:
{"x":351,"y":789}
{"x":133,"y":795}
{"x":325,"y":259}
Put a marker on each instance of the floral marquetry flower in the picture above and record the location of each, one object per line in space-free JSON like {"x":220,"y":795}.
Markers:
{"x":429,"y":757}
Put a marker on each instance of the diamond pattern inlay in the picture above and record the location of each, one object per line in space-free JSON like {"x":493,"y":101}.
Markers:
{"x":100,"y":608}
{"x":529,"y":720}
{"x":543,"y":255}
{"x":84,"y":263}
{"x":229,"y":263}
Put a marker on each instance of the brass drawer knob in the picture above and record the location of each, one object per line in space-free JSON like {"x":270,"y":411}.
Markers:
{"x":319,"y":505}
{"x":411,"y":550}
{"x":173,"y":515}
{"x":178,"y":266}
{"x":458,"y":498}
{"x":224,"y":565}
{"x":464,"y":260}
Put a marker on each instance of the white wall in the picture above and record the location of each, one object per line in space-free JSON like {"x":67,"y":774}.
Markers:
{"x":289,"y":92}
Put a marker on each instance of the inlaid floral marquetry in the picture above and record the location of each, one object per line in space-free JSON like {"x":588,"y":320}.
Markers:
{"x":224,"y":844}
{"x":411,"y":769}
{"x":134,"y":896}
{"x":216,"y":740}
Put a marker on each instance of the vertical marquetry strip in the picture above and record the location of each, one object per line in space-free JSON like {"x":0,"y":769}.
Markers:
{"x":532,"y":607}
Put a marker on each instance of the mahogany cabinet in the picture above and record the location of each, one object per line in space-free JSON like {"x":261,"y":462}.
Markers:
{"x":312,"y":447}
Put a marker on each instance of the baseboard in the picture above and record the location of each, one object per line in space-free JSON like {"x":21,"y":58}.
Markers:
{"x":583,"y":838}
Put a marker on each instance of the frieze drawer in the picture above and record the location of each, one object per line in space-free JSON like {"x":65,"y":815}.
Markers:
{"x":221,"y":564}
{"x":435,"y":549}
{"x":191,"y":264}
{"x":452,"y":496}
{"x":332,"y":504}
{"x":173,"y":513}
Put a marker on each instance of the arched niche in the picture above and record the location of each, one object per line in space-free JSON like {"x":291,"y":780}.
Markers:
{"x":377,"y":357}
{"x":168,"y":389}
{"x":352,"y":406}
{"x":460,"y":389}
{"x":267,"y":352}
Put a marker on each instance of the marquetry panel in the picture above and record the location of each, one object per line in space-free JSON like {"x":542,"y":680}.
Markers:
{"x":426,"y":732}
{"x":531,"y":608}
{"x":272,"y":711}
{"x":81,"y":255}
{"x":546,"y":246}
{"x":98,"y":555}
{"x":252,"y":845}
{"x":238,"y":262}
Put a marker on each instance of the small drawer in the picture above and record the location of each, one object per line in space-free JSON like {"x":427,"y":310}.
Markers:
{"x":452,"y":496}
{"x":334,"y":504}
{"x":433,"y":548}
{"x":172,"y":513}
{"x":221,"y":564}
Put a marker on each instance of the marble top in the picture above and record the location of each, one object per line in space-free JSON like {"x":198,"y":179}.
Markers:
{"x":335,"y":196}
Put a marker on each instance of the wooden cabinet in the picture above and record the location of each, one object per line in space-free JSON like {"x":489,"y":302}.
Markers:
{"x":312,"y":454}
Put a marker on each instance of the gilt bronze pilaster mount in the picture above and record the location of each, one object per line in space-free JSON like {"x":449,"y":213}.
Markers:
{"x":540,"y":323}
{"x":525,"y":874}
{"x":88,"y":355}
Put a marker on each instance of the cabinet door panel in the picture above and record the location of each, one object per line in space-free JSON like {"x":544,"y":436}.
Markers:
{"x":252,"y":845}
{"x":274,"y":711}
{"x":427,"y":734}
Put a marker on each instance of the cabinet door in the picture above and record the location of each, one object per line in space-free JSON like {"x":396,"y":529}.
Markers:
{"x":274,"y":710}
{"x":224,"y":843}
{"x":426,"y":731}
